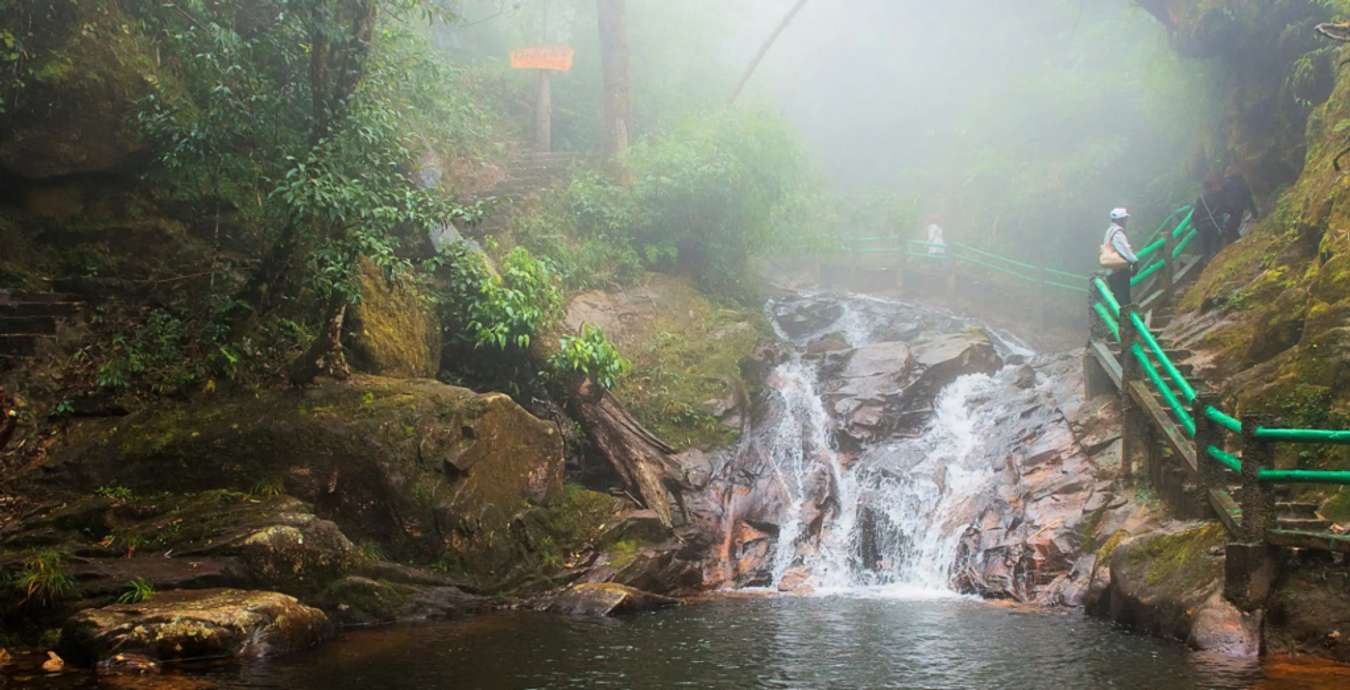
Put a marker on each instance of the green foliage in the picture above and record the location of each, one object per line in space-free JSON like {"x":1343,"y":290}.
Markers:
{"x":138,"y":589}
{"x":516,"y":305}
{"x":43,"y":579}
{"x":705,"y":197}
{"x":592,"y":355}
{"x":118,"y":493}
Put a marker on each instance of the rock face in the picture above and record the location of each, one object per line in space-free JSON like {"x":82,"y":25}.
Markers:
{"x":393,"y":331}
{"x":593,"y":599}
{"x":196,"y":624}
{"x":417,"y":466}
{"x":76,"y":114}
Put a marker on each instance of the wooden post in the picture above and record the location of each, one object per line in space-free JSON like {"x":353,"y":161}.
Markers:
{"x":1251,"y":563}
{"x":1134,"y":428}
{"x":543,"y":114}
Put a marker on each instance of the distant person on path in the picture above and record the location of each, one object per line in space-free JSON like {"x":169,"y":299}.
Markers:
{"x":1208,"y":218}
{"x":1117,"y":256}
{"x":936,"y":245}
{"x":1237,"y":203}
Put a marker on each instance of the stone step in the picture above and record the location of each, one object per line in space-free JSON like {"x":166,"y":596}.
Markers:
{"x":29,"y":297}
{"x":18,"y":345}
{"x":1310,"y":524}
{"x":1296,"y":508}
{"x":27,"y":325}
{"x":53,"y":309}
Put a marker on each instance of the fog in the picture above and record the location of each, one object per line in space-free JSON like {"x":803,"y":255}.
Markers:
{"x":1020,"y":124}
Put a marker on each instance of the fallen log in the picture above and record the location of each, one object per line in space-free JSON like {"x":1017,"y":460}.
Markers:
{"x":647,"y":466}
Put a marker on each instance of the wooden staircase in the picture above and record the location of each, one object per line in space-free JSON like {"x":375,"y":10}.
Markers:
{"x":28,"y":318}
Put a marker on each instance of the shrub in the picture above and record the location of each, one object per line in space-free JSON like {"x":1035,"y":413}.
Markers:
{"x":592,"y":355}
{"x":43,"y":579}
{"x":138,"y":590}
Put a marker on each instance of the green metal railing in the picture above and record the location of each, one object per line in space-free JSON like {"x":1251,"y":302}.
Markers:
{"x":959,"y":252}
{"x":1177,"y":393}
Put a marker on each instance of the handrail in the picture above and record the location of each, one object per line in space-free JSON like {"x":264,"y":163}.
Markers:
{"x":1107,"y":295}
{"x":1178,"y":411}
{"x":1147,"y":344}
{"x":1142,"y":330}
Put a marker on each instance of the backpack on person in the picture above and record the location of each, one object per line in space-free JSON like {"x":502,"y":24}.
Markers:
{"x":1109,"y":258}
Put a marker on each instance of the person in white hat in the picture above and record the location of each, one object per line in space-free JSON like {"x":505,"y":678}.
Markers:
{"x":1119,"y":243}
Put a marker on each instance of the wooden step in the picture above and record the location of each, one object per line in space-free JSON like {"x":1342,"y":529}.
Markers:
{"x":27,"y":325}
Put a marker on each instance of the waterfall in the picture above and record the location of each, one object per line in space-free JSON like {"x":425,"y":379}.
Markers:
{"x":896,"y":511}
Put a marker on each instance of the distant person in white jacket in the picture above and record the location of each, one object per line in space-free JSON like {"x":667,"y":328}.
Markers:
{"x":1119,"y":279}
{"x":936,"y":245}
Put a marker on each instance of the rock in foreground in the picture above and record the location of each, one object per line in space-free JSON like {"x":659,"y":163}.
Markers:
{"x":188,"y":624}
{"x":606,"y":599}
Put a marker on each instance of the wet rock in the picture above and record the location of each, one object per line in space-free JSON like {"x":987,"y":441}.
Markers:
{"x":1219,"y":627}
{"x":832,"y":342}
{"x":803,"y":317}
{"x":1309,"y":612}
{"x":944,"y":358}
{"x":187,"y":624}
{"x":1161,"y":579}
{"x":606,"y":599}
{"x":357,"y":600}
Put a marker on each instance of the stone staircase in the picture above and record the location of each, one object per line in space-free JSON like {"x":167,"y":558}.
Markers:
{"x":28,"y":318}
{"x":530,"y":172}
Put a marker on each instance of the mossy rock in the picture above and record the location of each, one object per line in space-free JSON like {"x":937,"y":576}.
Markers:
{"x":393,"y":331}
{"x":90,"y":66}
{"x":1159,"y":580}
{"x":686,"y":384}
{"x":196,"y":624}
{"x":414,"y":465}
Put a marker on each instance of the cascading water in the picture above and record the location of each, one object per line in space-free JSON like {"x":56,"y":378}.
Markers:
{"x":894,"y":512}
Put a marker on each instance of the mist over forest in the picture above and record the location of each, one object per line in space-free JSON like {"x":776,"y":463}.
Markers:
{"x":1018,"y":123}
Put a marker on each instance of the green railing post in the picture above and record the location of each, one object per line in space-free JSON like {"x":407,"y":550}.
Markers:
{"x":1258,"y":506}
{"x":1134,"y":435}
{"x":1096,"y":329}
{"x":1250,"y":563}
{"x":1206,"y":434}
{"x":1169,"y":270}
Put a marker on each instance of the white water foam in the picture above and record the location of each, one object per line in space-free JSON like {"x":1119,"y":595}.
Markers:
{"x":896,"y":520}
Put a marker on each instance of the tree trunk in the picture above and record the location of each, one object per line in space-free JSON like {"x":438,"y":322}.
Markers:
{"x":764,"y":50}
{"x":614,"y":65}
{"x":324,"y":356}
{"x":646,"y":465}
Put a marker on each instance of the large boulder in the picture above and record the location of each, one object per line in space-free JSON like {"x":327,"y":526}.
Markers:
{"x":393,"y":331}
{"x":1161,"y":580}
{"x":90,"y":66}
{"x":195,"y":624}
{"x":414,"y":465}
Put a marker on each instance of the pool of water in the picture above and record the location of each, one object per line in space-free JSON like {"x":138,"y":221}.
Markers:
{"x":881,"y":640}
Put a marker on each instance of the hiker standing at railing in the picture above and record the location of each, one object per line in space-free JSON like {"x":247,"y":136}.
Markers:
{"x":1117,"y":256}
{"x":936,"y":245}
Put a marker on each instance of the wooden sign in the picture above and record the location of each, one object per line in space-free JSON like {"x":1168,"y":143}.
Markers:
{"x":555,"y":58}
